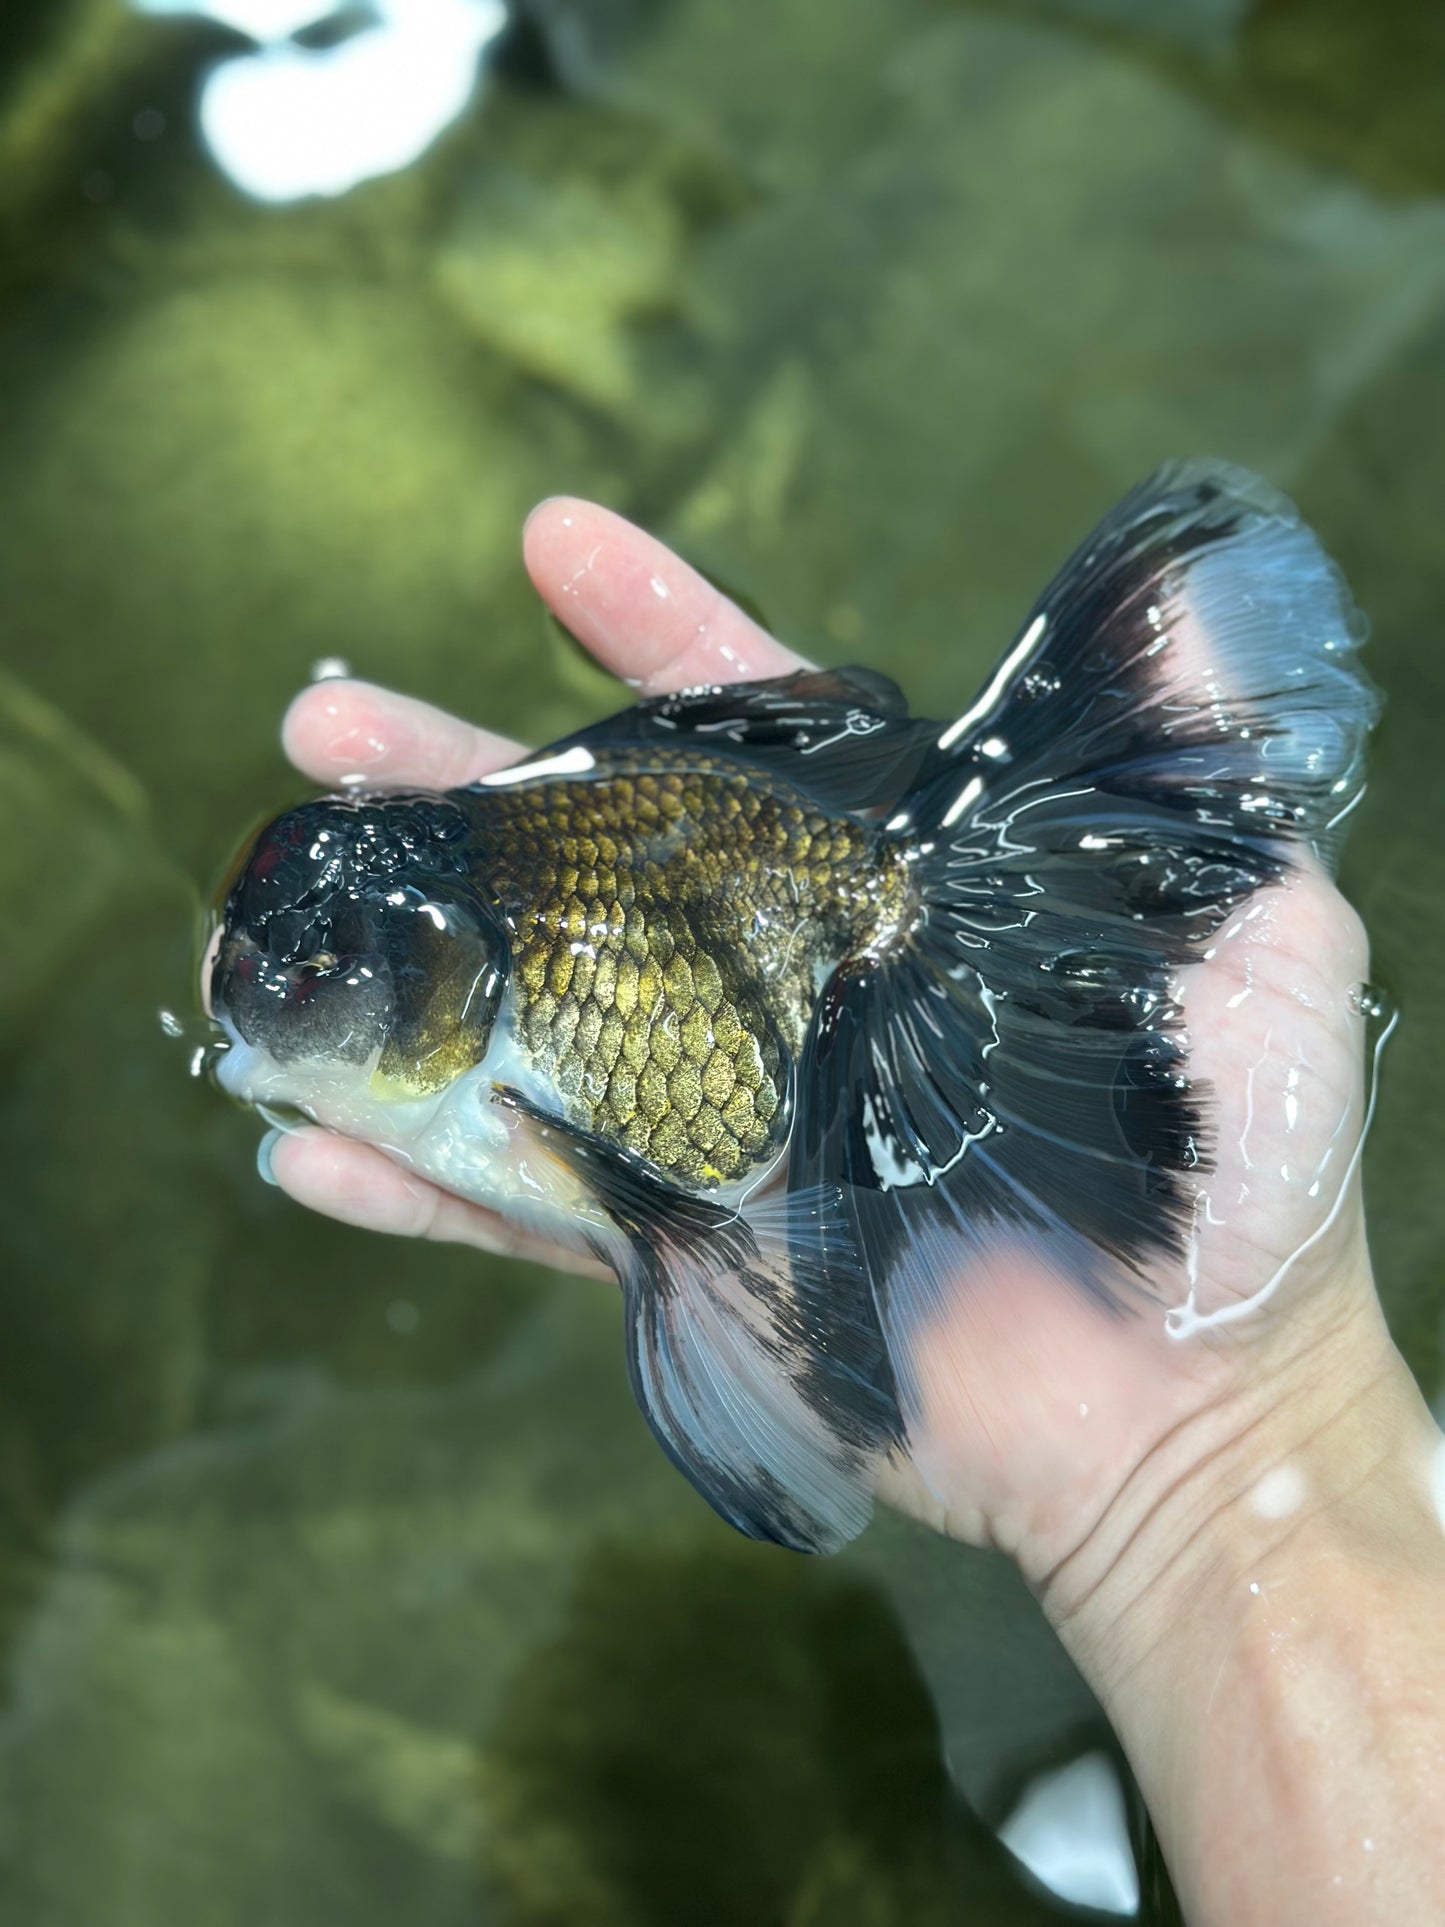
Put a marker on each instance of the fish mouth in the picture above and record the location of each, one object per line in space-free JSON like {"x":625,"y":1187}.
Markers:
{"x":463,"y":1138}
{"x":354,"y":1098}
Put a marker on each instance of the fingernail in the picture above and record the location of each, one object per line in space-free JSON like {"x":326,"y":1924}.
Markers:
{"x":265,"y":1154}
{"x":545,"y":503}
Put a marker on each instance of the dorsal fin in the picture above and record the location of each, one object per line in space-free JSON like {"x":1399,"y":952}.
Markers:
{"x":841,"y":736}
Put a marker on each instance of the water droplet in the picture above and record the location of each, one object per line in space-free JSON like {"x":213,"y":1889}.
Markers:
{"x":208,"y":1042}
{"x":1369,"y":1001}
{"x":1042,"y":680}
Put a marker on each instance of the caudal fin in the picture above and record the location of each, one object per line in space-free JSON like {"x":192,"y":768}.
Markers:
{"x":1180,"y":721}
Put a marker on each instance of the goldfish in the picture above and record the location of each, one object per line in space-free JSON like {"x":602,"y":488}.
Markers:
{"x":785,"y":1003}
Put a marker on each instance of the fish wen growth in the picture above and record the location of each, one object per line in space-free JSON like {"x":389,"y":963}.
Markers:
{"x":794,"y":1008}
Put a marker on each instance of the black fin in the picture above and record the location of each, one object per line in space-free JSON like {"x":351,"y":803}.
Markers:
{"x":772,"y":1403}
{"x":1181,"y":720}
{"x":1198,"y":654}
{"x":841,"y":736}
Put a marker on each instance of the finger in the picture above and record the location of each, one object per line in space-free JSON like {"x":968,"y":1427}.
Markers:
{"x":338,"y":731}
{"x":637,"y":607}
{"x":358,"y":1185}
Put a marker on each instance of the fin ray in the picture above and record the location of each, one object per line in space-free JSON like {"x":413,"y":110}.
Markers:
{"x":756,"y":1381}
{"x":1180,"y":722}
{"x":840,"y":736}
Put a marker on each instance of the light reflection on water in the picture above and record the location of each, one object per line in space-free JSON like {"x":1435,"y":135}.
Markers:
{"x":287,"y":121}
{"x":338,"y":1571}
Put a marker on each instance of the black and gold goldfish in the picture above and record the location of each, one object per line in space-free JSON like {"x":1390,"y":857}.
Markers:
{"x":782,"y":1001}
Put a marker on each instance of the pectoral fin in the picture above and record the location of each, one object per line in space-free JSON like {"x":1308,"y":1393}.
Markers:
{"x":760,"y":1371}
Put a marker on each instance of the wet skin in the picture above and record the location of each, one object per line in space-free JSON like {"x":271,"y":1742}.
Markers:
{"x":1114,"y":1461}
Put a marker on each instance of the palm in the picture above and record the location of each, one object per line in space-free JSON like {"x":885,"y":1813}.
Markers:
{"x":1043,"y":1404}
{"x":1278,"y":1022}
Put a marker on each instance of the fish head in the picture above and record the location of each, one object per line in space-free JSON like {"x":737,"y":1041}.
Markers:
{"x":354,"y":952}
{"x":361,"y":972}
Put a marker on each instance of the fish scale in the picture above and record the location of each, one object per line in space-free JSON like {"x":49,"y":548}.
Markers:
{"x":670,"y":929}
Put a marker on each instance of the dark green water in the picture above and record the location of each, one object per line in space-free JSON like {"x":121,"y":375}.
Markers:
{"x":339,"y":1581}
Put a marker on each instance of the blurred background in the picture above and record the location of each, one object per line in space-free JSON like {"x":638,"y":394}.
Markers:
{"x":339,"y":1579}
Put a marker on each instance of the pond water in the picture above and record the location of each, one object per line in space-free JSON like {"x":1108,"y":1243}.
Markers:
{"x":339,"y":1579}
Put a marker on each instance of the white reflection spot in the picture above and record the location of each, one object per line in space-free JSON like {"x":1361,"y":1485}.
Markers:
{"x":1002,"y":676}
{"x":287,"y":121}
{"x":969,"y":794}
{"x":1071,"y":1831}
{"x":567,"y":762}
{"x":1279,"y":1493}
{"x":1437,"y":1481}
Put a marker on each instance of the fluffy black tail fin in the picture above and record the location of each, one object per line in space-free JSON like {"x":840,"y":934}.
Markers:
{"x":1181,"y":720}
